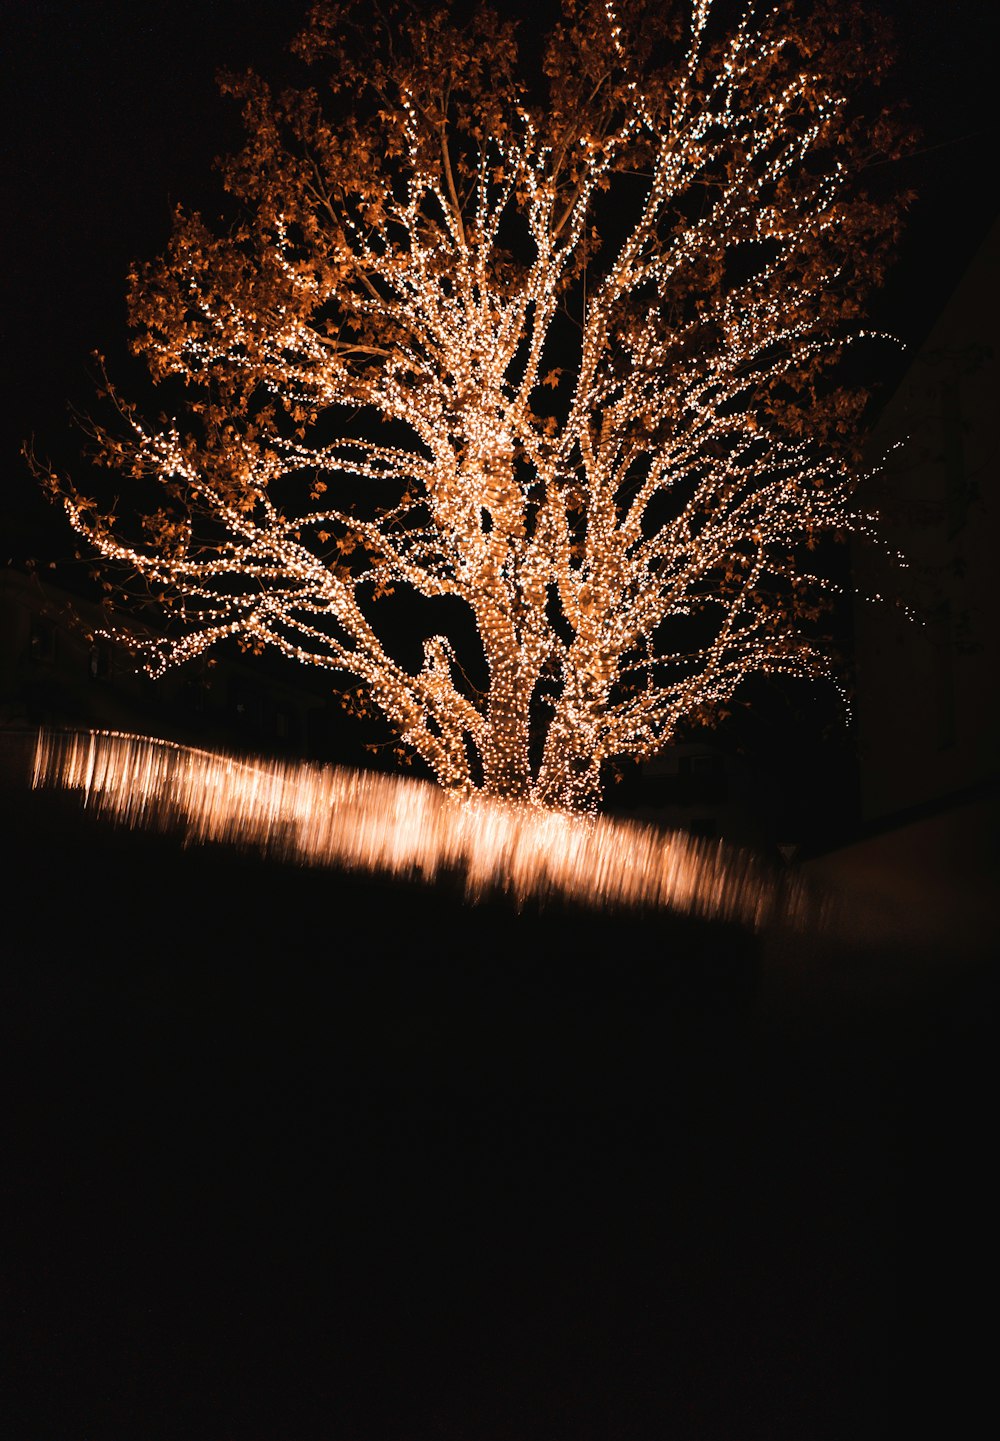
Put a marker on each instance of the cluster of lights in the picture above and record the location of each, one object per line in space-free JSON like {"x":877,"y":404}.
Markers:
{"x":407,"y":828}
{"x":553,"y":536}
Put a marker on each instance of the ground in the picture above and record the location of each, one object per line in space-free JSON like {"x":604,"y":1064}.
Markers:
{"x":297,"y":1155}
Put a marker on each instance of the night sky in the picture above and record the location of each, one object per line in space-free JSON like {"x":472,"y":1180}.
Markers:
{"x":113,"y":118}
{"x":298,"y":1157}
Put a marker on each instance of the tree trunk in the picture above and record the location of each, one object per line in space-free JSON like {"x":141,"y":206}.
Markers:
{"x":506,"y":763}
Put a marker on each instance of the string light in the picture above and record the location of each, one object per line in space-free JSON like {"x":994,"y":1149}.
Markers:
{"x":399,"y":826}
{"x":394,"y":295}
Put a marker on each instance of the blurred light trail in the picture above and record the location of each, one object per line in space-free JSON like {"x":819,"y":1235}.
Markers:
{"x":397,"y":826}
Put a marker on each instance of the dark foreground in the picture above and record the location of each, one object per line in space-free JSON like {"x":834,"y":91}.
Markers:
{"x":293,"y":1155}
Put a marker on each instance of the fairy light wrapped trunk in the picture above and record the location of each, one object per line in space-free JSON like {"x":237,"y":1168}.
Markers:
{"x":414,"y":365}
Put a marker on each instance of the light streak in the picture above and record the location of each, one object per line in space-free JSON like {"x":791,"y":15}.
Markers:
{"x":401,"y":827}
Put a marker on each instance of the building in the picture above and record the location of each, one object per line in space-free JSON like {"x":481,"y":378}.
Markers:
{"x":926,"y":649}
{"x":927,"y":654}
{"x":59,"y":668}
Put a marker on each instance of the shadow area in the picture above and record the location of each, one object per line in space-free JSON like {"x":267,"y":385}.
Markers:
{"x":297,"y":1153}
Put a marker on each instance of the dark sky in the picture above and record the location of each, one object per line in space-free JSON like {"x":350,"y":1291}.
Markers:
{"x":113,"y":118}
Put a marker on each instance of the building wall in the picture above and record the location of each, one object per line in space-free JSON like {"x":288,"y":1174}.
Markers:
{"x":57,"y":670}
{"x":926,"y":709}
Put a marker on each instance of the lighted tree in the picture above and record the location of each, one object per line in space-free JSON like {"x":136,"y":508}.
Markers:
{"x":598,"y":462}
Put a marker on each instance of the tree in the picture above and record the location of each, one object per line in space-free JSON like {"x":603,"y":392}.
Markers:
{"x":554,"y":362}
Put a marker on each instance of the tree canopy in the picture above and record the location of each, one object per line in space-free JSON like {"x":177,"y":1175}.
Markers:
{"x":547,"y":345}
